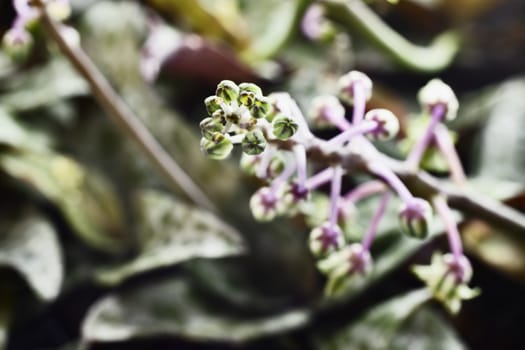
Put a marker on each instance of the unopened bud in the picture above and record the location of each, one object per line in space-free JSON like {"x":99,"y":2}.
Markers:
{"x":17,"y":43}
{"x":213,"y":104}
{"x":253,"y":143}
{"x":265,"y":204}
{"x":326,"y":111}
{"x":326,"y":239}
{"x":354,"y":79}
{"x":260,"y":108}
{"x":435,"y":93}
{"x":248,"y":92}
{"x":218,"y":146}
{"x":59,"y":10}
{"x":228,"y":91}
{"x":284,"y":127}
{"x":415,"y":218}
{"x":387,"y":124}
{"x":210,"y":126}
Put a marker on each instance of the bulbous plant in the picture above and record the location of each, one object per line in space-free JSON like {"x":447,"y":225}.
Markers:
{"x":278,"y":144}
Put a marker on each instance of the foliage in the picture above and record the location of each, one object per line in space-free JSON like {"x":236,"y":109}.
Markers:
{"x":97,"y":250}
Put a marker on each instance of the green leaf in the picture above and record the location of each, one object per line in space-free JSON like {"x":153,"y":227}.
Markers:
{"x":172,"y":232}
{"x":85,"y":199}
{"x":43,"y":86}
{"x":173,"y":308}
{"x":31,"y":248}
{"x":502,"y":140}
{"x":271,"y":31}
{"x":425,"y":330}
{"x":377,"y":328}
{"x":14,"y":134}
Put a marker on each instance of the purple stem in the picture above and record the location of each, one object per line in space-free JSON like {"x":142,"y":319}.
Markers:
{"x":392,"y":180}
{"x":300,"y":159}
{"x":446,"y":146}
{"x":283,"y":176}
{"x":356,"y":129}
{"x":341,"y":123}
{"x":319,"y":179}
{"x":436,"y":115}
{"x":335,"y":192}
{"x":374,"y":224}
{"x":364,"y":190}
{"x":266,"y":158}
{"x":454,"y":239}
{"x":359,"y":97}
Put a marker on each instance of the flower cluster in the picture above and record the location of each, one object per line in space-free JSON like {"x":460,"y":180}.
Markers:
{"x":276,"y":139}
{"x":17,"y":40}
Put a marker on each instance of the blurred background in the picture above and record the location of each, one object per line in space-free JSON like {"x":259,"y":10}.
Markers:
{"x":96,"y":252}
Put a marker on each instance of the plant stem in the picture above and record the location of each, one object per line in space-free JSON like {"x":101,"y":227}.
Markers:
{"x":355,"y":15}
{"x":446,"y":146}
{"x":415,"y":156}
{"x":335,"y":193}
{"x":320,"y":178}
{"x":125,"y":119}
{"x":374,"y":224}
{"x":347,"y":135}
{"x":359,"y":98}
{"x":392,"y":180}
{"x":454,"y":240}
{"x":364,"y":190}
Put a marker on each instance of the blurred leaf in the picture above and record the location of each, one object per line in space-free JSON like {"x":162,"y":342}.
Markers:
{"x":43,"y":86}
{"x":425,"y":330}
{"x":173,"y":308}
{"x":502,"y":141}
{"x":172,"y":232}
{"x":86,"y":200}
{"x":212,"y":18}
{"x":377,"y":328}
{"x":6,"y":65}
{"x":271,"y":23}
{"x":6,"y":306}
{"x":14,"y":134}
{"x":30,"y":246}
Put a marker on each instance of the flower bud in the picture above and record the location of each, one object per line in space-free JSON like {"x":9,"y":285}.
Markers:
{"x":248,"y":92}
{"x":387,"y":124}
{"x":326,"y":239}
{"x":447,"y":278}
{"x":218,"y":146}
{"x":59,"y":10}
{"x":228,"y":91}
{"x":213,"y":103}
{"x":265,"y":204}
{"x":210,"y":126}
{"x":294,"y":196}
{"x":325,"y":112}
{"x":284,"y":127}
{"x":260,"y":108}
{"x":249,"y":165}
{"x":348,"y":81}
{"x":436,"y":92}
{"x":415,"y":218}
{"x":254,"y":143}
{"x":461,"y":269}
{"x":17,"y":43}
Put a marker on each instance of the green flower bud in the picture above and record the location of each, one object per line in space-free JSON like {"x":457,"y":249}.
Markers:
{"x":17,"y":43}
{"x":228,"y":91}
{"x":218,"y":146}
{"x":248,"y":93}
{"x":415,"y":218}
{"x":437,"y":92}
{"x":387,"y":124}
{"x":260,"y":108}
{"x":326,"y":239}
{"x":213,"y":104}
{"x":254,"y":143}
{"x":210,"y":126}
{"x":284,"y":127}
{"x":348,"y":81}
